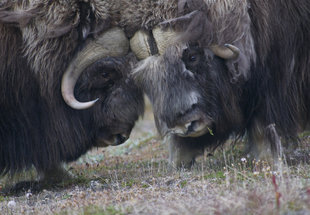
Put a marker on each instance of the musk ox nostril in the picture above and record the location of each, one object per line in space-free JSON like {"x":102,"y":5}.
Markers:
{"x":195,"y":126}
{"x":194,"y":106}
{"x":188,"y":125}
{"x":191,"y":126}
{"x":121,"y":138}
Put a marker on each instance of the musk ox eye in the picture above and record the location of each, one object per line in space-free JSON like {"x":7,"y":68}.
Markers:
{"x":193,"y":58}
{"x":105,"y":74}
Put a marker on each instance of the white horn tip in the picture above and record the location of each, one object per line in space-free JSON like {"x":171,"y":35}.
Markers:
{"x":232,"y":47}
{"x":81,"y":105}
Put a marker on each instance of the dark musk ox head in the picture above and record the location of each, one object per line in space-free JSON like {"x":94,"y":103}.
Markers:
{"x":116,"y":101}
{"x":120,"y":101}
{"x":55,"y":57}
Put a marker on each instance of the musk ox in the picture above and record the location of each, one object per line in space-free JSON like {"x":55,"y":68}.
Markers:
{"x":53,"y":53}
{"x":57,"y":58}
{"x":260,"y":90}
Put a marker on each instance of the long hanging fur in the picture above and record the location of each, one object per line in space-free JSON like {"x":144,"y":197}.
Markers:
{"x":38,"y":39}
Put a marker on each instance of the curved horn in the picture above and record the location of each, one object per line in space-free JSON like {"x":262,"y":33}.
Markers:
{"x":111,"y":43}
{"x":164,"y":38}
{"x":228,"y":52}
{"x":140,"y":46}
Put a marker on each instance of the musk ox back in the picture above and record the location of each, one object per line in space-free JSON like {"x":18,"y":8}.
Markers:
{"x":201,"y":96}
{"x":40,"y":43}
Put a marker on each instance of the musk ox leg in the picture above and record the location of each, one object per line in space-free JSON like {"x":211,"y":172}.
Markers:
{"x":46,"y":179}
{"x":54,"y":175}
{"x":265,"y":143}
{"x":183,"y":151}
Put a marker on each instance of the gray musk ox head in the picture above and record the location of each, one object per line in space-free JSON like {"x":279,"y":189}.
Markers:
{"x":201,"y":96}
{"x":56,"y":59}
{"x":198,"y":69}
{"x":185,"y":89}
{"x":192,"y":94}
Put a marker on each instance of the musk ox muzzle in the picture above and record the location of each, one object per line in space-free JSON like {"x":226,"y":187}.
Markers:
{"x":193,"y":123}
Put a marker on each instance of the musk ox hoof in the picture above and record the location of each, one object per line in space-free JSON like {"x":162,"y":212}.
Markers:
{"x":180,"y":158}
{"x":54,"y":177}
{"x":181,"y":164}
{"x":265,"y":144}
{"x":22,"y":187}
{"x":298,"y":157}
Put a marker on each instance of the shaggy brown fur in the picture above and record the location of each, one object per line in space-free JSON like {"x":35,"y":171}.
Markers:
{"x":41,"y":21}
{"x":38,"y":40}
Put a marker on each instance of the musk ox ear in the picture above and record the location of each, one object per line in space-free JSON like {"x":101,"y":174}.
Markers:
{"x":237,"y":63}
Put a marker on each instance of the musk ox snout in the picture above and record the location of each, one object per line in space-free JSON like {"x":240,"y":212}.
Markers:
{"x":111,"y":140}
{"x":183,"y":115}
{"x":193,"y":123}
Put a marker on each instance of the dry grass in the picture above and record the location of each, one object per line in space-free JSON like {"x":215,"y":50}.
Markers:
{"x":135,"y":179}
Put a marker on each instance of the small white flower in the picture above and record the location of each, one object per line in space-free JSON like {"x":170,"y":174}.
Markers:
{"x":255,"y":173}
{"x":28,"y":195}
{"x":243,"y":159}
{"x":273,"y":173}
{"x":11,"y":204}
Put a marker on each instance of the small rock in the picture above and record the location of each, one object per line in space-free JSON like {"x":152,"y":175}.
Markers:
{"x":95,"y":185}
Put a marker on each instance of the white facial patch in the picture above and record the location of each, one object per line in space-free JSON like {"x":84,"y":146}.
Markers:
{"x":186,"y":71}
{"x":193,"y":98}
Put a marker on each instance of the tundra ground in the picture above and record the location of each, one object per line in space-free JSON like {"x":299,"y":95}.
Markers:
{"x":135,"y":178}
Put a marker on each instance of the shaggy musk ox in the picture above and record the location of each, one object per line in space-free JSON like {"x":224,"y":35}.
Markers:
{"x":261,"y":89}
{"x":57,"y":58}
{"x":57,"y":51}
